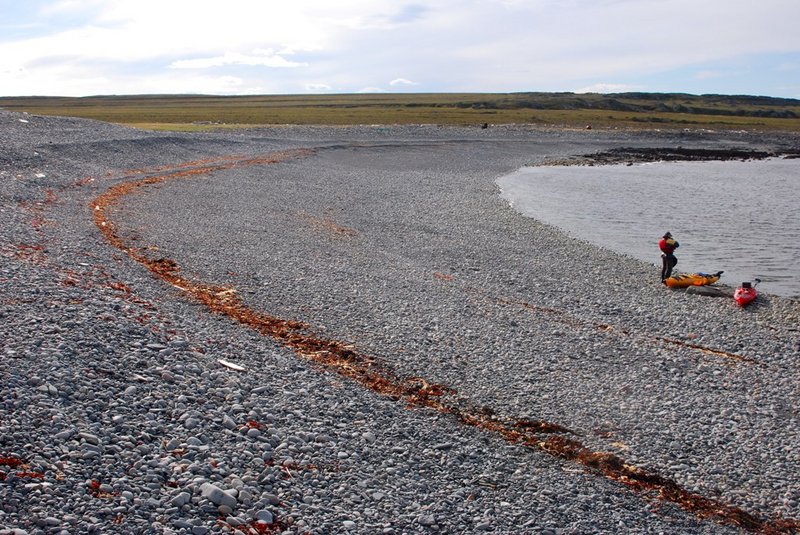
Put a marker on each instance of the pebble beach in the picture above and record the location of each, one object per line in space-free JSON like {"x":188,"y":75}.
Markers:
{"x":346,"y":330}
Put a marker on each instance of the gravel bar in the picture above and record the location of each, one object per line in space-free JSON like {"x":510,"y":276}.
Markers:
{"x":360,"y":336}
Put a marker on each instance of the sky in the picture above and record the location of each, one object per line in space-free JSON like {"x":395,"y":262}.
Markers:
{"x":245,"y":47}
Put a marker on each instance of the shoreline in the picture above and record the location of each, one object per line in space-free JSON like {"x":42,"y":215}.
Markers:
{"x":707,"y":211}
{"x":398,"y":246}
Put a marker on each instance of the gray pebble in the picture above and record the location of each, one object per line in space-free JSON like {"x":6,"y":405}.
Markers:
{"x":216,"y":495}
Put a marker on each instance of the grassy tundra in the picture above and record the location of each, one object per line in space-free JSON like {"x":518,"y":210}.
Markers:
{"x":636,"y":110}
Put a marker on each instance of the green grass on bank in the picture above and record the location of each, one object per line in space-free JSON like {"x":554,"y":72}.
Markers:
{"x":624,"y":110}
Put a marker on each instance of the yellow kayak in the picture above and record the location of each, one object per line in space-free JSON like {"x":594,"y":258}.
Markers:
{"x":684,"y":280}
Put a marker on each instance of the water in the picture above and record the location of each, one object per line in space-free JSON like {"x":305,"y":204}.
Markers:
{"x":740,"y":217}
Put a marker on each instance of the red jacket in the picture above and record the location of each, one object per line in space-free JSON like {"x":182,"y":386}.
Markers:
{"x":668,"y":245}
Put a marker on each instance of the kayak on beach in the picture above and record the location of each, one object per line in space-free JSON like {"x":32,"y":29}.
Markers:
{"x":746,"y":293}
{"x":684,"y":280}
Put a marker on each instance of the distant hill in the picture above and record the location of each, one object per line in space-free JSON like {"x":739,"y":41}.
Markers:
{"x":638,"y":110}
{"x":733,"y":105}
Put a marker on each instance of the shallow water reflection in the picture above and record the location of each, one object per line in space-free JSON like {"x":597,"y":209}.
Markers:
{"x":741,"y":217}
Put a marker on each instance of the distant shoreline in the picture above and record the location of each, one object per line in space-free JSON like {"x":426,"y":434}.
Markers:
{"x":636,"y":111}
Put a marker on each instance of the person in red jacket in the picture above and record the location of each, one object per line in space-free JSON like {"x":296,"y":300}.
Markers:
{"x":668,"y":261}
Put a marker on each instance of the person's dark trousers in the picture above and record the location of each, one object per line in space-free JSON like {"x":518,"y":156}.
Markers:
{"x":668,"y":262}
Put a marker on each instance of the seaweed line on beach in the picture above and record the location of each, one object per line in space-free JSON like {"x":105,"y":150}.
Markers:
{"x":345,"y":360}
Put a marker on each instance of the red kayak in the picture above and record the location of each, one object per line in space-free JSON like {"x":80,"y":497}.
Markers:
{"x":745,"y":294}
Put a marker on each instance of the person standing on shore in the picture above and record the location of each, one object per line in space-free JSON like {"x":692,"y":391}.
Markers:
{"x":668,"y":260}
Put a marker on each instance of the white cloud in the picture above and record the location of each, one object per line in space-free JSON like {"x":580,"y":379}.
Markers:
{"x":67,"y":6}
{"x":39,"y":84}
{"x":318,"y":88}
{"x":402,"y":81}
{"x":264,"y":58}
{"x":371,"y":89}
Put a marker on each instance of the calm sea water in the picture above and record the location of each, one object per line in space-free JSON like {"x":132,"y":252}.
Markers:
{"x":741,"y":217}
